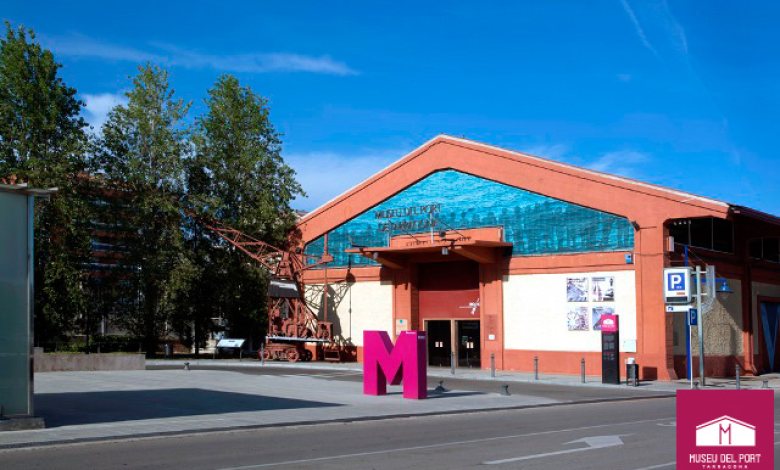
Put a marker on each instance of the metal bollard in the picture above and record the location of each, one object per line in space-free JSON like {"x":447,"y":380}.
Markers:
{"x":452,"y":363}
{"x":765,"y":384}
{"x":262,"y":354}
{"x":738,"y":371}
{"x":582,"y":369}
{"x":536,"y":367}
{"x":492,"y":366}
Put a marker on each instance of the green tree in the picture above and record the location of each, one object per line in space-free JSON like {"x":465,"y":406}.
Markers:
{"x":141,"y":152}
{"x":237,"y":176}
{"x":42,"y":141}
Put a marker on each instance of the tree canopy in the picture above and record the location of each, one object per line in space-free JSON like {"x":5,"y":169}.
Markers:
{"x":43,"y":142}
{"x":237,"y":175}
{"x":116,"y":242}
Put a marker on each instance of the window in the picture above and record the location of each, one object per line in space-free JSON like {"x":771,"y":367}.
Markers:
{"x":756,"y":248}
{"x":679,"y":230}
{"x":767,"y":249}
{"x":701,"y":233}
{"x":771,"y":250}
{"x":722,"y":235}
{"x":707,"y":232}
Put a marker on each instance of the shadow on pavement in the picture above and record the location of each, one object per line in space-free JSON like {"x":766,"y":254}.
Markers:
{"x":63,"y":409}
{"x":432,"y":394}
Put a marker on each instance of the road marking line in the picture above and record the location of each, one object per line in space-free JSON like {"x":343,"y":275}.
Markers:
{"x":593,"y":442}
{"x":662,"y":465}
{"x":434,"y":446}
{"x":536,"y":456}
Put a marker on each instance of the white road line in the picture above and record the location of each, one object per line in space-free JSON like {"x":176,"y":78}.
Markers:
{"x":651,"y":467}
{"x":593,"y":442}
{"x":434,"y":446}
{"x":537,"y":456}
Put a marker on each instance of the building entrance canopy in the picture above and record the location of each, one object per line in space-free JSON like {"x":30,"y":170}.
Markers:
{"x":484,"y":245}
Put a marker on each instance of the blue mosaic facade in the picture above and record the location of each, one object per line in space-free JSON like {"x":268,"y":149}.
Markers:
{"x":449,"y":199}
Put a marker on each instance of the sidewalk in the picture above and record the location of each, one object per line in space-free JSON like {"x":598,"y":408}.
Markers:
{"x":219,"y":395}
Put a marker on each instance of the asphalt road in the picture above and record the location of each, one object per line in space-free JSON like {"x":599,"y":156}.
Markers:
{"x":635,"y":434}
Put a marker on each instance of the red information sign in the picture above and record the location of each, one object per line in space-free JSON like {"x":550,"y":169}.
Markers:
{"x":609,"y":323}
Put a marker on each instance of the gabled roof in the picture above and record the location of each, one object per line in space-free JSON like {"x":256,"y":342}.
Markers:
{"x":515,"y":169}
{"x":725,"y":418}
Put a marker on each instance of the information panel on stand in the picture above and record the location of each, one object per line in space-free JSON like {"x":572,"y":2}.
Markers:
{"x":610,"y":350}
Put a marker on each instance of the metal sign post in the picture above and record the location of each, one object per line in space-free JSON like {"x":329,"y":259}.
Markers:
{"x":700,"y":328}
{"x":692,"y":319}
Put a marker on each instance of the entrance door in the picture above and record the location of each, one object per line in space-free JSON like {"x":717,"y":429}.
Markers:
{"x":468,"y":343}
{"x":770,"y":321}
{"x":439,"y":342}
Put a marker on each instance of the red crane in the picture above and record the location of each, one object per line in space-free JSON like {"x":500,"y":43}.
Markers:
{"x":291,"y":323}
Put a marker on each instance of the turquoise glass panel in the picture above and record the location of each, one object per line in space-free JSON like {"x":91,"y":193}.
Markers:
{"x":449,"y":199}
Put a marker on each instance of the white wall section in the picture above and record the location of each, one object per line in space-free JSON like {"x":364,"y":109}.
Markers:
{"x":365,"y":305}
{"x":536,"y":308}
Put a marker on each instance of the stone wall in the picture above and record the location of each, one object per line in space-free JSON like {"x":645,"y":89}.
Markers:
{"x":54,"y":362}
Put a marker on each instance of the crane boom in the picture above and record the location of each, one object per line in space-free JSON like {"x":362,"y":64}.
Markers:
{"x":291,"y":322}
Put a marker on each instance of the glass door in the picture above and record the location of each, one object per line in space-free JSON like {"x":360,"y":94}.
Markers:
{"x":770,"y":318}
{"x":468,"y":343}
{"x":439,"y":342}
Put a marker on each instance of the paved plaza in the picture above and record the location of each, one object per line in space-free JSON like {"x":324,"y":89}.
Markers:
{"x":80,"y":406}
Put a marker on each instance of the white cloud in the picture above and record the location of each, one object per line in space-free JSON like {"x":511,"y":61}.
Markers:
{"x":638,"y":27}
{"x":85,"y":47}
{"x":621,"y":162}
{"x":255,"y":62}
{"x":99,"y":105}
{"x":78,"y":45}
{"x":657,"y":28}
{"x":550,"y":151}
{"x":325,"y":175}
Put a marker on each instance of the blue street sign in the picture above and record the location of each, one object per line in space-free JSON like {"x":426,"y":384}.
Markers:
{"x":677,"y":285}
{"x":693,"y":317}
{"x":676,"y":281}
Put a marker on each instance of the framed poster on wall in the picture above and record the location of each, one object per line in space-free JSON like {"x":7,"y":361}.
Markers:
{"x":577,"y":319}
{"x":577,"y":289}
{"x":602,"y":289}
{"x":596,"y":316}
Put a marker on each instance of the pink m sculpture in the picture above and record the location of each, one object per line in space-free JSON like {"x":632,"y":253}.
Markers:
{"x":382,"y":361}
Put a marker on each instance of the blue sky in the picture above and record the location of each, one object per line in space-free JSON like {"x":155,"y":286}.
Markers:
{"x":683,"y":94}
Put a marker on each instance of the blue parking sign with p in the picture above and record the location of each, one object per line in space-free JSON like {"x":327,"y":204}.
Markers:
{"x":676,"y":281}
{"x":677,"y":285}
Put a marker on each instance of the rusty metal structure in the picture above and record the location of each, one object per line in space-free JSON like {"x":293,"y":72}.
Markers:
{"x":291,"y":322}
